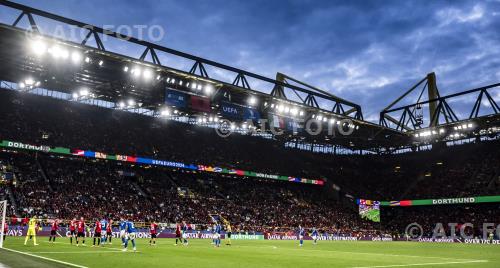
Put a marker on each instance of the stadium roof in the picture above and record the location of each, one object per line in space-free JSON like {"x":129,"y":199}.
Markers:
{"x":112,"y":77}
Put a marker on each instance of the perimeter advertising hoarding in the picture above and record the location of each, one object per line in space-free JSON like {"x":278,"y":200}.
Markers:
{"x":442,"y":201}
{"x":156,"y":162}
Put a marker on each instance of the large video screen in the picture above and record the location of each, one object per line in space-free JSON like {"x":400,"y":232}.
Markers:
{"x":369,"y":210}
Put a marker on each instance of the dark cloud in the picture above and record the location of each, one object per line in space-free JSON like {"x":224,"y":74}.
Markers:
{"x":366,"y":51}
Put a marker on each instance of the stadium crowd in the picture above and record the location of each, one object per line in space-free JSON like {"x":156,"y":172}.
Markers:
{"x":50,"y":186}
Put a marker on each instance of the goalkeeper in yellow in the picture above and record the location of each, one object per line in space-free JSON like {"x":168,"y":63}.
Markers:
{"x":32,"y":226}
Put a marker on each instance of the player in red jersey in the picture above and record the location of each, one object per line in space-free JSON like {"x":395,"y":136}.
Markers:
{"x":80,"y":228}
{"x":54,"y":227}
{"x":5,"y":230}
{"x":153,"y":229}
{"x":72,"y":230}
{"x":97,"y":232}
{"x":109,"y":231}
{"x":178,"y":233}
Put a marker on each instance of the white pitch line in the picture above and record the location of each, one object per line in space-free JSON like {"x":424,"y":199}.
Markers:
{"x":364,"y":253}
{"x":422,"y":264}
{"x":45,"y":258}
{"x":83,"y":252}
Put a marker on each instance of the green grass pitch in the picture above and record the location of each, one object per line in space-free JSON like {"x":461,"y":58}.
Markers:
{"x":200,"y":253}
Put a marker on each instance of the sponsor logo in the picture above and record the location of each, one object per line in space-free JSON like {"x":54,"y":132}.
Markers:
{"x":453,"y":201}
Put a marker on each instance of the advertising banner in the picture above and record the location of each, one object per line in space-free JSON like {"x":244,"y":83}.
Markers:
{"x":149,"y":161}
{"x":175,"y":98}
{"x":442,"y":201}
{"x":200,"y":104}
{"x":247,"y":237}
{"x":230,"y":110}
{"x":251,"y":114}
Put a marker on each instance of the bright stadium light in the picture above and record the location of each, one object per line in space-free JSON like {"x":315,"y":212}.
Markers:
{"x":29,"y":82}
{"x":319,"y":117}
{"x":76,"y":57}
{"x":301,"y":113}
{"x":165,"y":112}
{"x":121,"y":104}
{"x":199,"y":87}
{"x":287,"y":109}
{"x":131,"y":102}
{"x":38,"y":47}
{"x":252,"y":100}
{"x":58,"y":52}
{"x":87,"y":60}
{"x":84,"y":92}
{"x":208,"y":89}
{"x":125,"y":69}
{"x":101,"y":62}
{"x":75,"y":95}
{"x":136,"y":72}
{"x":22,"y":85}
{"x":193,"y":86}
{"x":147,"y":74}
{"x":332,"y":121}
{"x":158,"y":77}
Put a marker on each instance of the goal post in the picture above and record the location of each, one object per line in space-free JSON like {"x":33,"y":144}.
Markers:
{"x":3,"y":212}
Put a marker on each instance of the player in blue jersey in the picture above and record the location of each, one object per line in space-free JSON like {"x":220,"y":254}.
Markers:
{"x":218,"y":230}
{"x":130,"y":233}
{"x":214,"y":233}
{"x":301,"y":235}
{"x":104,"y":226}
{"x":123,"y":227}
{"x":184,"y":233}
{"x":315,"y":235}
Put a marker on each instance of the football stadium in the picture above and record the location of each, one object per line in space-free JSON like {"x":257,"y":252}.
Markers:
{"x":117,"y":150}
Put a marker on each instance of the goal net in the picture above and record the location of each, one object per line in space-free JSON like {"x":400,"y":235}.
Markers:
{"x":3,"y":210}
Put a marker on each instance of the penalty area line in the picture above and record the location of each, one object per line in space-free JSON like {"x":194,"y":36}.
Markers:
{"x":45,"y":258}
{"x":422,"y":264}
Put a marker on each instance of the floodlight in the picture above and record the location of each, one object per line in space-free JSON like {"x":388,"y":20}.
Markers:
{"x":208,"y":89}
{"x":75,"y":95}
{"x":252,"y":100}
{"x":84,"y":92}
{"x":39,"y":47}
{"x":125,"y":69}
{"x":76,"y":57}
{"x":87,"y":59}
{"x":101,"y":62}
{"x":147,"y":74}
{"x":29,"y":82}
{"x":121,"y":104}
